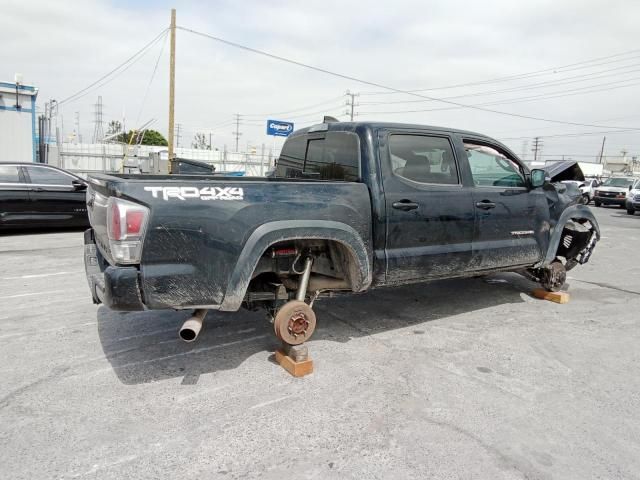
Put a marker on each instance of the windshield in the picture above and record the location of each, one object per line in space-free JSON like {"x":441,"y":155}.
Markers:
{"x":618,"y":182}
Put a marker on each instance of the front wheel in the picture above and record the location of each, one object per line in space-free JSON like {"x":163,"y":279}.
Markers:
{"x":585,"y":199}
{"x":631,"y":210}
{"x":597,"y":203}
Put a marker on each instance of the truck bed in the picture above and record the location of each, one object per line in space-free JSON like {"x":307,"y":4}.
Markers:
{"x":202,"y":234}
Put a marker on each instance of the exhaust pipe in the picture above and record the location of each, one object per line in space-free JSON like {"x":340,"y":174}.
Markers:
{"x":191,"y":328}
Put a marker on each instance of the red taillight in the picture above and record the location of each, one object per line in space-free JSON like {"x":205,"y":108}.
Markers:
{"x":135,"y":221}
{"x":115,"y":227}
{"x":125,"y":220}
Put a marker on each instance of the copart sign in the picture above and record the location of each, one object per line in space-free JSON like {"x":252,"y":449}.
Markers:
{"x":204,"y":193}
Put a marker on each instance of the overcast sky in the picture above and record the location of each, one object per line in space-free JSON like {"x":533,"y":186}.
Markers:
{"x":62,"y":47}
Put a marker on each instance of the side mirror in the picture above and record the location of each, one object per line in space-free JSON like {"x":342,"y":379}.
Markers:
{"x":78,"y":185}
{"x":537,"y":177}
{"x":630,"y":187}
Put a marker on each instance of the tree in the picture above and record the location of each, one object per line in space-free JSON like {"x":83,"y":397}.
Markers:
{"x":151,"y":137}
{"x":114,"y":127}
{"x":200,"y":142}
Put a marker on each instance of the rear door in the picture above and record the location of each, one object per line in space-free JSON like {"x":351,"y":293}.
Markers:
{"x":14,"y":197}
{"x":511,"y":219}
{"x":54,"y":198}
{"x":430,"y":215}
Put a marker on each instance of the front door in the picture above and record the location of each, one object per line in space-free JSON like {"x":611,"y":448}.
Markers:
{"x":511,"y":219}
{"x":429,"y":214}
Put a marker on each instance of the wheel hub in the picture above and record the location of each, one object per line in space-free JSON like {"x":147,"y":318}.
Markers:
{"x":295,"y":322}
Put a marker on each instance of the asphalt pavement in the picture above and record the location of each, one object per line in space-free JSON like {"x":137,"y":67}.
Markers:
{"x":458,"y":379}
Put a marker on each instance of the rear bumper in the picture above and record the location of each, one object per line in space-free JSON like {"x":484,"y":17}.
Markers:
{"x":116,"y":287}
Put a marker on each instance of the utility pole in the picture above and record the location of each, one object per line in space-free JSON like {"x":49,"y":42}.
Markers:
{"x":210,"y":145}
{"x":351,"y":102}
{"x":602,"y":149}
{"x":237,"y":132}
{"x":536,"y":148}
{"x":172,"y":86}
{"x":178,"y":135}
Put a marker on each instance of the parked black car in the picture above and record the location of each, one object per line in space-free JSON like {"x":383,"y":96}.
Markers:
{"x":37,"y":195}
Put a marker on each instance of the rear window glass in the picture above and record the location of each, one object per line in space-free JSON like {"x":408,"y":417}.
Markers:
{"x":48,"y":176}
{"x":423,"y":159}
{"x":9,"y":174}
{"x":335,"y":156}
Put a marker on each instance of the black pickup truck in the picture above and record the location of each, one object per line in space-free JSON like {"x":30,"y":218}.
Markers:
{"x":349,"y":207}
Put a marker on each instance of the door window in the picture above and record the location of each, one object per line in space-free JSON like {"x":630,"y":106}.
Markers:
{"x":9,"y":174}
{"x":48,"y":176}
{"x":423,"y":159}
{"x":492,"y":168}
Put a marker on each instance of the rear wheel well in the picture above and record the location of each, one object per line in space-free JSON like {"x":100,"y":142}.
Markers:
{"x":276,"y":276}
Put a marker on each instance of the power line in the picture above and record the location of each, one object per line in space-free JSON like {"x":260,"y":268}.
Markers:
{"x":124,"y":66}
{"x":332,"y":100}
{"x":379,"y":85}
{"x":153,"y":74}
{"x":546,"y":96}
{"x":536,"y":73}
{"x":568,"y":135}
{"x":532,"y":86}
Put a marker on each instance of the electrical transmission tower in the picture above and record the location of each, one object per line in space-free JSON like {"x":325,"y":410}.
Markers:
{"x":536,"y":148}
{"x":351,"y":104}
{"x":237,"y":133}
{"x":98,"y":133}
{"x":78,"y":136}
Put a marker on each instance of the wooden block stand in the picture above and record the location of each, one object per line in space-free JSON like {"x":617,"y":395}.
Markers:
{"x":558,"y":297}
{"x":297,"y":366}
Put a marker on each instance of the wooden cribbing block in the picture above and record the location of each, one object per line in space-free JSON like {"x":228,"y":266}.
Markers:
{"x":558,"y":297}
{"x":297,"y":369}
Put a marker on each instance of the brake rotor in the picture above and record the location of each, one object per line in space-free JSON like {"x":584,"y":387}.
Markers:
{"x":295,"y":322}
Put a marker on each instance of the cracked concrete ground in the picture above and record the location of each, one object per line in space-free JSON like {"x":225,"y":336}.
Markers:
{"x":456,"y":379}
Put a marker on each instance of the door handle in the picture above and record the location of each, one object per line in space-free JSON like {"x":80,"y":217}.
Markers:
{"x":405,"y":205}
{"x":486,"y":205}
{"x":37,"y":189}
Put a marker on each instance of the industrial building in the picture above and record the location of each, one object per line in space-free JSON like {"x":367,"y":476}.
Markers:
{"x":17,"y":122}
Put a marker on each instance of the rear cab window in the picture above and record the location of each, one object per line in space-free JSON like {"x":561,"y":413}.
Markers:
{"x":327,"y":156}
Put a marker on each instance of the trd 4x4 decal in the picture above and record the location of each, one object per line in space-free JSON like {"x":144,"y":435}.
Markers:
{"x":204,"y":193}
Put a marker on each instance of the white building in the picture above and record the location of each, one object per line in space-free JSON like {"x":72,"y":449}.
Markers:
{"x":17,"y":122}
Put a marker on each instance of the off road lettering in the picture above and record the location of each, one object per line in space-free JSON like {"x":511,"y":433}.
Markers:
{"x":205,"y":193}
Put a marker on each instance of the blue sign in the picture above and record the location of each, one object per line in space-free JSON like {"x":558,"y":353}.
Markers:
{"x":278,"y":128}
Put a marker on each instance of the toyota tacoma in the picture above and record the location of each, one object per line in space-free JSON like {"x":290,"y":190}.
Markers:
{"x":350,"y":206}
